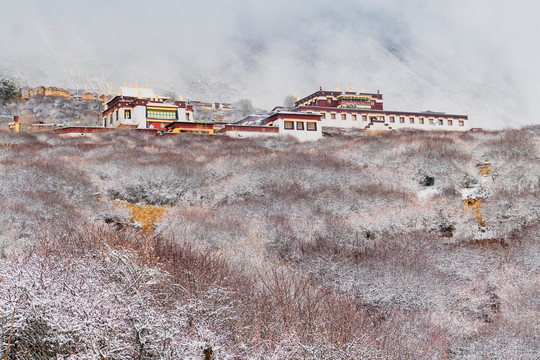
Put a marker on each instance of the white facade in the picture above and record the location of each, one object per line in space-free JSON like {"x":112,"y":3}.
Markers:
{"x":250,"y":134}
{"x":302,"y":126}
{"x":136,"y":116}
{"x":300,"y":132}
{"x":398,"y":120}
{"x":141,"y":108}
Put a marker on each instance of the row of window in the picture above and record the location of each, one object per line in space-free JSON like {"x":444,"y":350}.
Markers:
{"x":344,"y":117}
{"x":161,"y":114}
{"x":410,"y":119}
{"x":310,"y":126}
{"x":421,"y":120}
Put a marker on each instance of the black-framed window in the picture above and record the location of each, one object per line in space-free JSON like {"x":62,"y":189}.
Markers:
{"x":162,"y":114}
{"x":312,"y":126}
{"x":289,"y":125}
{"x":299,"y":125}
{"x":127,"y":114}
{"x":343,"y":116}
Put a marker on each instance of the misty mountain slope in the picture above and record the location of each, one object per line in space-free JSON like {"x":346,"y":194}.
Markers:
{"x":445,"y":57}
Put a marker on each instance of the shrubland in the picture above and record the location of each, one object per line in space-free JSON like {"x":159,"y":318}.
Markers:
{"x":54,"y":109}
{"x":355,"y":246}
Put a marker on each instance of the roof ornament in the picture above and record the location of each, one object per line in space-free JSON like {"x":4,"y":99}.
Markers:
{"x":181,"y":97}
{"x":337,"y":88}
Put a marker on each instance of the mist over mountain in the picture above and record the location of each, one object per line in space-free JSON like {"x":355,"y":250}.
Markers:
{"x":478,"y":59}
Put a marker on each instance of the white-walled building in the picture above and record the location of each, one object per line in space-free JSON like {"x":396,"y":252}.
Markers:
{"x":303,"y":126}
{"x":141,"y":108}
{"x":365,"y":111}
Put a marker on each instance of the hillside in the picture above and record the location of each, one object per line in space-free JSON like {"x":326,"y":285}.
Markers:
{"x":53,"y":110}
{"x":122,"y":245}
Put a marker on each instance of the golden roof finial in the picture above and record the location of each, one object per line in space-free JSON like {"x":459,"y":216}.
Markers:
{"x":124,"y":84}
{"x":139,"y":95}
{"x":337,"y":88}
{"x":136,"y":85}
{"x":181,"y":97}
{"x":147,"y":85}
{"x":298,"y":98}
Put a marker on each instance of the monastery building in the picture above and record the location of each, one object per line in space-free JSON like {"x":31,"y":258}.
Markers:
{"x":363,"y":110}
{"x":139,"y":107}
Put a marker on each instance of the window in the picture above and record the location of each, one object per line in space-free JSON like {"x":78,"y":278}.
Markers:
{"x":161,"y":114}
{"x":430,"y":121}
{"x":289,"y":125}
{"x":461,"y":122}
{"x":421,"y":120}
{"x":354,"y":117}
{"x":402,"y":119}
{"x":392,"y":119}
{"x":450,"y":122}
{"x":441,"y":122}
{"x":127,"y":114}
{"x":343,"y":116}
{"x":364,"y":117}
{"x":187,"y":116}
{"x":411,"y":119}
{"x":312,"y":126}
{"x":299,"y":125}
{"x":333,"y":116}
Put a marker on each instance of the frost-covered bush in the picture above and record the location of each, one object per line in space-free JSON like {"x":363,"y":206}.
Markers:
{"x":38,"y":194}
{"x":352,"y":246}
{"x":93,"y":303}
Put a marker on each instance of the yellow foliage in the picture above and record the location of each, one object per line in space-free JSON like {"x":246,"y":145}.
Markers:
{"x":484,"y":169}
{"x":475,"y":204}
{"x":146,"y":215}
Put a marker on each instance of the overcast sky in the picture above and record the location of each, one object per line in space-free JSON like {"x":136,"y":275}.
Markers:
{"x":473,"y":57}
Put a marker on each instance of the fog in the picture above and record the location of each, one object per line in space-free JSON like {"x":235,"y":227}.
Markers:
{"x":478,"y":58}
